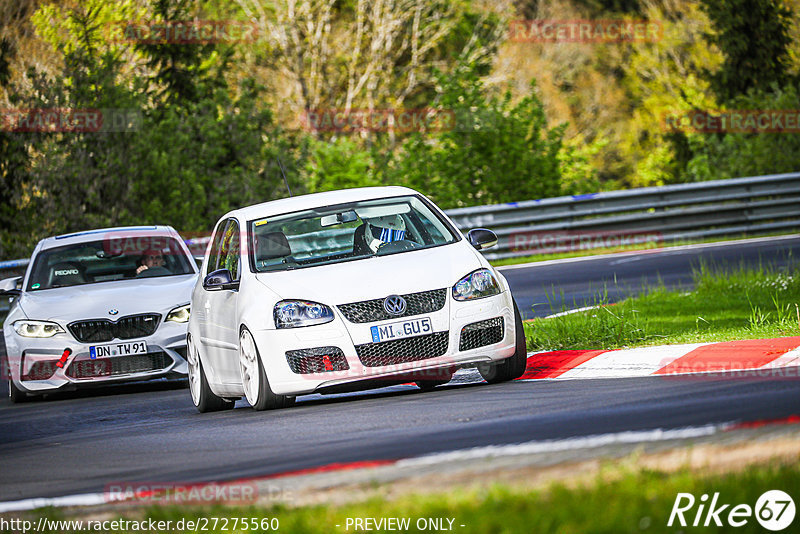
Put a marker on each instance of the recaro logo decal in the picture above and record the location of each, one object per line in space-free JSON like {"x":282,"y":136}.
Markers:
{"x":394,"y":305}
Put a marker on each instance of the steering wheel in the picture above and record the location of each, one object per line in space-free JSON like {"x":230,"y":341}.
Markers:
{"x":396,"y":246}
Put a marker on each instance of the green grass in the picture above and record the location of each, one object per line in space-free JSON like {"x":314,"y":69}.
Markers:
{"x":627,"y":248}
{"x":725,"y":305}
{"x":615,"y":501}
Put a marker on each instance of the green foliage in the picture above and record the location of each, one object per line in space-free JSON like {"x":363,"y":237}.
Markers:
{"x":495,"y":152}
{"x":181,"y":72}
{"x":14,"y":161}
{"x":340,"y":164}
{"x":664,"y":78}
{"x":207,"y":141}
{"x":579,"y":175}
{"x":741,"y":154}
{"x":197,"y":161}
{"x":604,"y":326}
{"x":191,"y":155}
{"x":754,"y":37}
{"x":725,"y":305}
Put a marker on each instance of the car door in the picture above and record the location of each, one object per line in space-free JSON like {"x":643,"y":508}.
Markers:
{"x":221,"y":313}
{"x":201,"y":303}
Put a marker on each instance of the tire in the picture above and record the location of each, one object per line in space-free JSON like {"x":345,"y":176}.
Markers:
{"x":16,"y":395}
{"x":254,"y":378}
{"x":203,"y":398}
{"x":513,"y":367}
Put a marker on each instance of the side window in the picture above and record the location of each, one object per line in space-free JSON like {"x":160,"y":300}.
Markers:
{"x":216,"y":248}
{"x":232,"y":258}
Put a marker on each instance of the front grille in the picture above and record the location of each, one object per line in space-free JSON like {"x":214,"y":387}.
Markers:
{"x":120,"y":365}
{"x":317,"y":360}
{"x":410,"y":349}
{"x":100,"y":330}
{"x":482,"y":333}
{"x":369,"y":311}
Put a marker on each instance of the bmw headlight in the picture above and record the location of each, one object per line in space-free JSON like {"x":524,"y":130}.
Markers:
{"x":27,"y":328}
{"x":179,"y":314}
{"x":476,"y":285}
{"x":295,"y":313}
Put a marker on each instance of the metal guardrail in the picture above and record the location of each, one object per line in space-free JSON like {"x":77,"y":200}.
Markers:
{"x":754,"y":205}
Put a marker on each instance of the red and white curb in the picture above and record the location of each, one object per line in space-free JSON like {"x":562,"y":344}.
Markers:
{"x":779,"y":357}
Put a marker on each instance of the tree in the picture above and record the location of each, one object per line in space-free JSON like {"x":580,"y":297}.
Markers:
{"x":369,"y":55}
{"x":734,"y":155}
{"x":754,"y":37}
{"x":180,"y":72}
{"x":183,"y":160}
{"x":494,"y":152}
{"x":663,"y":79}
{"x":339,"y":164}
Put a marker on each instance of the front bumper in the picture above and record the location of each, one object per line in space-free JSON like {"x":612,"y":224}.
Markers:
{"x":33,"y":362}
{"x":451,"y":344}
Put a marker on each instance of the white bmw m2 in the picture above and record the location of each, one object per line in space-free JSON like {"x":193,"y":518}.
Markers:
{"x":341,"y":291}
{"x":99,"y":307}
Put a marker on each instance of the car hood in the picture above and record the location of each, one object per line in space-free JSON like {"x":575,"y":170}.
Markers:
{"x":375,"y":277}
{"x":89,"y":301}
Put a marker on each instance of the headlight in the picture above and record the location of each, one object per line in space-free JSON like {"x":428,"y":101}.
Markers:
{"x":476,"y":285}
{"x":294,"y":313}
{"x":179,"y":314}
{"x":37,"y":328}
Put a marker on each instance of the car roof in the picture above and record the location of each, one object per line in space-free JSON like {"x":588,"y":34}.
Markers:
{"x":316,"y":200}
{"x":100,"y":233}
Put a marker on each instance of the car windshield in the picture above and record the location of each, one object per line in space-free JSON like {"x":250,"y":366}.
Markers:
{"x":140,"y":256}
{"x":346,"y":232}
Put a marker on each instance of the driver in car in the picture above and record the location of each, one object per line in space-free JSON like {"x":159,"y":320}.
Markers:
{"x":151,"y":263}
{"x":382,"y":230}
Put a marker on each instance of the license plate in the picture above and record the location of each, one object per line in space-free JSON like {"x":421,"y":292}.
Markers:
{"x":401,"y":329}
{"x":117,"y":349}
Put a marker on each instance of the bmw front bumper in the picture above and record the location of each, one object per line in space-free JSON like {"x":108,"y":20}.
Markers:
{"x":38,"y":365}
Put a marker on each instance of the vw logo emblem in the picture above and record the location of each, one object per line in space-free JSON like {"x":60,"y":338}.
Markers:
{"x":394,"y":305}
{"x":113,"y":311}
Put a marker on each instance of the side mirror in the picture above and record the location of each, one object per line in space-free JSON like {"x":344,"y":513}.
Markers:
{"x":218,"y":280}
{"x":11,"y":286}
{"x":481,"y":238}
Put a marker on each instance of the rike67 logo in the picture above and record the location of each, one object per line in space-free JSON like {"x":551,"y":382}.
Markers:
{"x":774,"y":510}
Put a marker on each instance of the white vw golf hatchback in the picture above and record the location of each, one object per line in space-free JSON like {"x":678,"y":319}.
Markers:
{"x":345,"y":290}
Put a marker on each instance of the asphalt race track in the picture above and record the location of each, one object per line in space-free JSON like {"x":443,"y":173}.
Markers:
{"x":76,"y":443}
